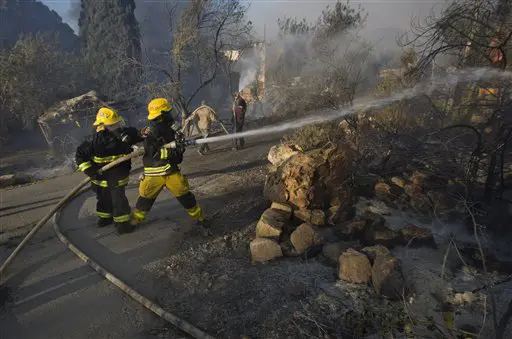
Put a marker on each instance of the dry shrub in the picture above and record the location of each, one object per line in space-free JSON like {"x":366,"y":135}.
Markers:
{"x":313,"y":136}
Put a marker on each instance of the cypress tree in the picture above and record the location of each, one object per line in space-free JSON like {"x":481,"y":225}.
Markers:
{"x":111,"y":38}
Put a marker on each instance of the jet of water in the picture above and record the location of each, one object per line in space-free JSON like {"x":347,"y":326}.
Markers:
{"x":364,"y":104}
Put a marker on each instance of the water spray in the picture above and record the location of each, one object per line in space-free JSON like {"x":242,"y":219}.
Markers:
{"x":365,"y":104}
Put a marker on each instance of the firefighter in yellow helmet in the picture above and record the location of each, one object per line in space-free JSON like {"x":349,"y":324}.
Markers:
{"x":109,"y":142}
{"x":161,"y":166}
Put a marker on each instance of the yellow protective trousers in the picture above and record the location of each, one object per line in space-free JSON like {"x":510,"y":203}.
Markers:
{"x":177,"y":184}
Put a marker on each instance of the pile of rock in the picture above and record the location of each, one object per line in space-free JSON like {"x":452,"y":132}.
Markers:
{"x":313,"y":212}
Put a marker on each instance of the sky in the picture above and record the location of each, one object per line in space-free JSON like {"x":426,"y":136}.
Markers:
{"x":381,"y":13}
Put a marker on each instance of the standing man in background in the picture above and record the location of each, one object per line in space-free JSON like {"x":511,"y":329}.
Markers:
{"x":239,"y":109}
{"x":203,"y":116}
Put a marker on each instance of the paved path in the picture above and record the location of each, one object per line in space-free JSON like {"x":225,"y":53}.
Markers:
{"x":52,"y":294}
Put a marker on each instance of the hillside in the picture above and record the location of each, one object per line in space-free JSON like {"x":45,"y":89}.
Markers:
{"x":22,"y":17}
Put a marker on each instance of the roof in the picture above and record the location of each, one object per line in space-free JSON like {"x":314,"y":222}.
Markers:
{"x":73,"y":109}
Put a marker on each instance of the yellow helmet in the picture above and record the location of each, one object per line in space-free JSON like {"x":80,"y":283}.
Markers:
{"x":107,"y":116}
{"x":156,"y":106}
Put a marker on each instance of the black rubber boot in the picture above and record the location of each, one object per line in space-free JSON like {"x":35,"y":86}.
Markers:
{"x":102,"y":222}
{"x":206,"y":226}
{"x":124,"y":227}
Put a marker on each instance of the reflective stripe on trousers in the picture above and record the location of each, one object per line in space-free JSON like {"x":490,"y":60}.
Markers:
{"x":151,"y":186}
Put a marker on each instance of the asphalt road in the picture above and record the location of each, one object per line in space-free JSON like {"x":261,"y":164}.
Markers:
{"x":53,"y":294}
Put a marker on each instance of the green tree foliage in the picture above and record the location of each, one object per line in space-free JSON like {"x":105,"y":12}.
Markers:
{"x":34,"y":75}
{"x":110,"y":34}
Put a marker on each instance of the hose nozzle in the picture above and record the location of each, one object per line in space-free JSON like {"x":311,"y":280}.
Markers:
{"x":191,"y":142}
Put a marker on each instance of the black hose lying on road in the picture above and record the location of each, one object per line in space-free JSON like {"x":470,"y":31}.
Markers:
{"x":55,"y":212}
{"x":171,"y":318}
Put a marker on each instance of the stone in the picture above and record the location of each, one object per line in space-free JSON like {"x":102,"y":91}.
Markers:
{"x":304,"y":237}
{"x":411,"y":190}
{"x":387,"y":192}
{"x":354,"y":267}
{"x":399,"y":181}
{"x":414,"y":236}
{"x":463,"y":298}
{"x":288,"y":249}
{"x":382,"y":235}
{"x":418,"y":179}
{"x":263,"y":249}
{"x":271,"y":223}
{"x":372,"y":252}
{"x":280,"y":153}
{"x":351,"y":230}
{"x":387,"y":277}
{"x":332,"y":251}
{"x":274,"y":189}
{"x":283,"y":207}
{"x":373,"y":219}
{"x":339,"y":214}
{"x":313,"y":217}
{"x":309,"y":180}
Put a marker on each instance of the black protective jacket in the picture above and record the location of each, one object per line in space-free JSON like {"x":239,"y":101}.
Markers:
{"x":104,"y":148}
{"x":158,"y":160}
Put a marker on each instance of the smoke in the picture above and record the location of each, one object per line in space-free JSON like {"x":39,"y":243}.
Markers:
{"x":249,"y":66}
{"x":381,"y":14}
{"x":364,"y":104}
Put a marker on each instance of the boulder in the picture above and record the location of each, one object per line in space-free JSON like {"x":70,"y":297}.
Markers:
{"x":387,"y":277}
{"x":283,"y":207}
{"x":280,"y":153}
{"x":351,"y":230}
{"x":332,"y":251}
{"x":271,"y":223}
{"x":288,"y":249}
{"x":372,"y":252}
{"x":354,"y":267}
{"x":263,"y":249}
{"x":339,"y":214}
{"x":411,"y":191}
{"x":304,"y":237}
{"x":373,"y":219}
{"x":309,"y":181}
{"x":382,"y":235}
{"x":399,"y":181}
{"x":313,"y":217}
{"x":388,"y":192}
{"x":414,"y":236}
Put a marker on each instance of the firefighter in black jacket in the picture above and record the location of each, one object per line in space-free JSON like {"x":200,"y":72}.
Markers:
{"x":161,"y":166}
{"x":110,"y":142}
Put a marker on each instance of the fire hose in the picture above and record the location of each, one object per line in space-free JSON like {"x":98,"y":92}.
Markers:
{"x":171,"y":318}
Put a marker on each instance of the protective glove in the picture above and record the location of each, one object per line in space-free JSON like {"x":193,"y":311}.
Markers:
{"x":180,"y":147}
{"x":92,"y":173}
{"x":144,"y":131}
